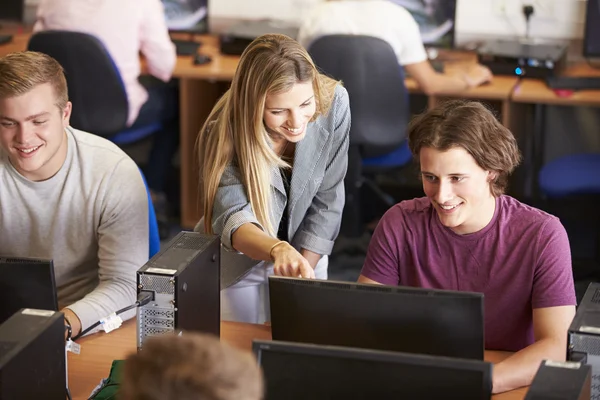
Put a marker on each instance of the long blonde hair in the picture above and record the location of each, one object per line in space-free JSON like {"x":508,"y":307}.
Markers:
{"x":234,"y":132}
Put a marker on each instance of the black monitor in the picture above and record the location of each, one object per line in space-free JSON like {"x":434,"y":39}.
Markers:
{"x":186,"y":15}
{"x":26,"y":283}
{"x":591,"y":38}
{"x":12,"y":11}
{"x":436,"y":19}
{"x":300,"y":371}
{"x":394,"y":318}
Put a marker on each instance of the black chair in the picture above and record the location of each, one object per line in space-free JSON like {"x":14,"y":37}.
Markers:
{"x":369,"y":70}
{"x":100,"y":104}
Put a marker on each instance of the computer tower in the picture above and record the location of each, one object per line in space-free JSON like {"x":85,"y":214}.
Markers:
{"x":32,"y":356}
{"x":584,"y":334}
{"x":561,"y":380}
{"x":184,"y":279}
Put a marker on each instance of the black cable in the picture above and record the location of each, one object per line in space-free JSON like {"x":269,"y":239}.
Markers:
{"x":69,"y":394}
{"x":143,"y":298}
{"x":527,"y":12}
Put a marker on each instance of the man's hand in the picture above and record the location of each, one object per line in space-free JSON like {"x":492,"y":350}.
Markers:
{"x":288,"y":261}
{"x":73,"y":320}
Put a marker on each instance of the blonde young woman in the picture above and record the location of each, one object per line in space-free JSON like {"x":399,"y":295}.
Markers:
{"x":273,"y":156}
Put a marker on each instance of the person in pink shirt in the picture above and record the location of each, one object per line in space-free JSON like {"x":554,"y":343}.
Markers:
{"x":128,"y":28}
{"x":467,"y":235}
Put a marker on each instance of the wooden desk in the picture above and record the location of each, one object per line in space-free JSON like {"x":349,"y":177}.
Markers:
{"x":535,"y":91}
{"x":99,"y":350}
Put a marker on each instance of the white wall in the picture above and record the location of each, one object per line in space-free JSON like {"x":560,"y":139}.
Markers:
{"x":554,"y":19}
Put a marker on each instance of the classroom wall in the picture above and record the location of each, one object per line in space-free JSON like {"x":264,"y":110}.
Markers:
{"x":555,"y":19}
{"x":561,"y":19}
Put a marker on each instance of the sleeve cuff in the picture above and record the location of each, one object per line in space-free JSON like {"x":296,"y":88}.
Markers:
{"x":313,"y":243}
{"x":233,"y":223}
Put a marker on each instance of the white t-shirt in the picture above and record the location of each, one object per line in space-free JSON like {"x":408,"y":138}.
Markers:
{"x":379,"y":18}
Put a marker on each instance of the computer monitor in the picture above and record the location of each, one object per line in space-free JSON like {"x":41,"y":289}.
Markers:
{"x":12,"y":11}
{"x":26,"y":283}
{"x":591,"y":38}
{"x":436,"y":19}
{"x":186,"y":15}
{"x":299,"y":371}
{"x":394,"y":318}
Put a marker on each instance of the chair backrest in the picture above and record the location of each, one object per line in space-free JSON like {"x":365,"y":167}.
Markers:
{"x":369,"y":70}
{"x":96,"y":89}
{"x":154,"y":238}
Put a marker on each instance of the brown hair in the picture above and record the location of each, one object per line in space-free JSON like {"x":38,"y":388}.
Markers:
{"x":192,"y":366}
{"x":235,"y":133}
{"x":470,"y":125}
{"x":23,"y":71}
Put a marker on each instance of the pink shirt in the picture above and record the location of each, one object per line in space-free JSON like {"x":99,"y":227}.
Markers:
{"x":521,"y":261}
{"x":126,"y":27}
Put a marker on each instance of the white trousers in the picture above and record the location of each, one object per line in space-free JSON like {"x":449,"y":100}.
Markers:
{"x":248,"y":300}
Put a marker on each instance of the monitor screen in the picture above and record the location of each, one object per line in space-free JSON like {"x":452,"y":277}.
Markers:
{"x":296,"y":371}
{"x":26,"y":283}
{"x":186,"y":15}
{"x":413,"y":320}
{"x":436,"y":19}
{"x":591,"y":40}
{"x":12,"y":10}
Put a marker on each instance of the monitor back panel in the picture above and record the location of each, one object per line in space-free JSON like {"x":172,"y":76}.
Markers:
{"x":377,"y":317}
{"x":26,"y":283}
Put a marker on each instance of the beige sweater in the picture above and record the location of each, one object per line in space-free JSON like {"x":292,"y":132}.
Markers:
{"x":91,"y":218}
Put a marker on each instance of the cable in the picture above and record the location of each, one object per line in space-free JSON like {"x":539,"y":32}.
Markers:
{"x":143,"y":298}
{"x":69,"y":394}
{"x":528,"y":11}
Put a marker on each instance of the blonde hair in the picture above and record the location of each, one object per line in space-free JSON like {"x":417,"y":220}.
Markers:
{"x":234,"y":132}
{"x":192,"y":366}
{"x":21,"y":72}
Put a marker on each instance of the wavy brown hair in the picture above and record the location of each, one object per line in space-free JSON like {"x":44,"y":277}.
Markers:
{"x":234,"y":132}
{"x":470,"y":125}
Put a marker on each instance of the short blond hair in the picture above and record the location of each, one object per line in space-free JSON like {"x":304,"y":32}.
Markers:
{"x":192,"y":366}
{"x":21,"y":72}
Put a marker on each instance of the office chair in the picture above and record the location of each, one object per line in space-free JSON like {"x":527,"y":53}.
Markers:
{"x":100,"y":104}
{"x":154,"y":238}
{"x":369,"y":70}
{"x":570,"y":186}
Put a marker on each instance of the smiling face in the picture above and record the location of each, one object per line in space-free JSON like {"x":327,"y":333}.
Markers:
{"x":458,"y":189}
{"x":32,"y":132}
{"x":287,"y":114}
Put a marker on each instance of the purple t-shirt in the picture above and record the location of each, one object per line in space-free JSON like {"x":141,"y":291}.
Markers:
{"x":521,"y":260}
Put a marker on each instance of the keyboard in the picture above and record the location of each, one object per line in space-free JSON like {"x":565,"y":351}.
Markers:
{"x":5,"y":39}
{"x":573,"y":82}
{"x":186,"y":47}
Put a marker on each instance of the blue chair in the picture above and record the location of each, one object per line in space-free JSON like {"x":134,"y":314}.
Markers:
{"x":154,"y":239}
{"x":570,"y":187}
{"x":100,"y":104}
{"x":369,"y":70}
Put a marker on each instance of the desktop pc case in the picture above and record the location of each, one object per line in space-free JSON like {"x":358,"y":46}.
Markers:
{"x":32,"y":356}
{"x":184,"y":279}
{"x":584,"y":335}
{"x":561,"y":380}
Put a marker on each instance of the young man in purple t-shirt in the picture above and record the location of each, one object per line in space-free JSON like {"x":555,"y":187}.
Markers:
{"x":466,"y":235}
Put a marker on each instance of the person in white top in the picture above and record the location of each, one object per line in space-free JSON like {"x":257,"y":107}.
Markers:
{"x":394,"y":24}
{"x":128,"y":28}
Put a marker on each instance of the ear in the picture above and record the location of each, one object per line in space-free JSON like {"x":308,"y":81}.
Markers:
{"x":492,"y":176}
{"x":66,"y":114}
